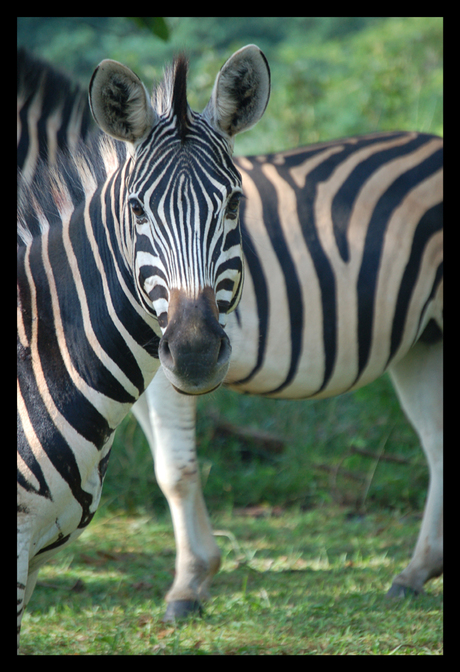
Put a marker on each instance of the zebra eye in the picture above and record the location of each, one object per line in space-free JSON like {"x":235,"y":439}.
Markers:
{"x":233,"y":206}
{"x":136,"y":207}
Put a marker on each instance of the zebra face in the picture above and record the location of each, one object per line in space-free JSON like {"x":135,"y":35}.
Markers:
{"x":186,"y":224}
{"x":197,"y":246}
{"x":187,"y":251}
{"x":181,"y":202}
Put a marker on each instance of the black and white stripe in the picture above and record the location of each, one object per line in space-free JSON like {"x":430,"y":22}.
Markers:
{"x":343,"y":280}
{"x":343,"y":249}
{"x":88,"y":340}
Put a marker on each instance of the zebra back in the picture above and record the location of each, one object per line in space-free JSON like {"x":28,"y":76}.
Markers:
{"x":52,"y":113}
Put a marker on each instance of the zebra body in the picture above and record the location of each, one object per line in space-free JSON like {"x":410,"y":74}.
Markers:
{"x":343,"y":281}
{"x":351,"y":234}
{"x":128,"y":252}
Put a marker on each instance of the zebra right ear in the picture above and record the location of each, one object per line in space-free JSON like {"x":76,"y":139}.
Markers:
{"x":241,"y":92}
{"x":120,"y":102}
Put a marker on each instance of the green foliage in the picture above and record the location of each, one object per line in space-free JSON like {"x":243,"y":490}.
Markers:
{"x":385,"y":77}
{"x":156,"y":24}
{"x":331,"y":77}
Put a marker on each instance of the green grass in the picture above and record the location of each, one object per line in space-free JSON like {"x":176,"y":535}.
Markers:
{"x":304,"y":571}
{"x":296,"y":583}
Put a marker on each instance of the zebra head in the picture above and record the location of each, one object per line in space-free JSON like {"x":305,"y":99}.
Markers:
{"x":181,"y":203}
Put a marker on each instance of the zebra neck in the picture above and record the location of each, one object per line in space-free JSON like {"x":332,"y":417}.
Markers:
{"x":80,"y":320}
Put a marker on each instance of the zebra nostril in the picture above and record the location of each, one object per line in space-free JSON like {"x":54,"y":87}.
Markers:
{"x":165,"y":353}
{"x":225,"y":351}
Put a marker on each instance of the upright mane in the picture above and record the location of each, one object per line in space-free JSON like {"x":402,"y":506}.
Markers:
{"x":170,"y":96}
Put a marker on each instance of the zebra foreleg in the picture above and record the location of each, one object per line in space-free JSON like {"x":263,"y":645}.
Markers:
{"x":418,"y":379}
{"x":169,"y":425}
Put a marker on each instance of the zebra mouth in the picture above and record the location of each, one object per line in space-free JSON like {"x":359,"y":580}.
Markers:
{"x":195,"y":394}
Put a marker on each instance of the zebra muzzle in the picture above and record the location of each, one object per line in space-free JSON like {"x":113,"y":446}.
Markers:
{"x":194,"y":350}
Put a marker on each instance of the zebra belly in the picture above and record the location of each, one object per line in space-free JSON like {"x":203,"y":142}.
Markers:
{"x":276,"y":379}
{"x":50,"y":525}
{"x":47,"y":525}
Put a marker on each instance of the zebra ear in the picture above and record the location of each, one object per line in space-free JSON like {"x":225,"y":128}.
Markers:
{"x":241,"y":92}
{"x":120,"y":102}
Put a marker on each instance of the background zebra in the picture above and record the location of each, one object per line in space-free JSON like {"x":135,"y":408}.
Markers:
{"x":344,"y":280}
{"x":117,"y":249}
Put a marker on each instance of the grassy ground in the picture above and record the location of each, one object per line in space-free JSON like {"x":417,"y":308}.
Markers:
{"x":315,"y":465}
{"x":292,"y":583}
{"x":312,"y":535}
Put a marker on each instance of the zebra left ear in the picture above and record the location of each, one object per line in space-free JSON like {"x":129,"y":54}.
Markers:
{"x":120,"y":102}
{"x":241,"y":92}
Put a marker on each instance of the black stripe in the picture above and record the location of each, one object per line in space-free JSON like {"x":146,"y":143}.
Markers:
{"x":344,"y":199}
{"x":369,"y":271}
{"x":306,"y":198}
{"x":294,"y":293}
{"x":31,"y":462}
{"x":255,"y":268}
{"x":430,"y":223}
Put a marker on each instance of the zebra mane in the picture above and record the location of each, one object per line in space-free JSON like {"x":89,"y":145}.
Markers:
{"x":170,"y":96}
{"x":57,"y":191}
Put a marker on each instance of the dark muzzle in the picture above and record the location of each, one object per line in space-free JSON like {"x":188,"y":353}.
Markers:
{"x":194,"y":350}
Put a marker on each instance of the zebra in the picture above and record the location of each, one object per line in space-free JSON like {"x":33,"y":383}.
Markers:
{"x":198,"y":556}
{"x":344,"y":278}
{"x":129,"y":255}
{"x":52,"y":113}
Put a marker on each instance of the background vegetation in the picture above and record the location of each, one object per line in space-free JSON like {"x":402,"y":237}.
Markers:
{"x":331,"y":77}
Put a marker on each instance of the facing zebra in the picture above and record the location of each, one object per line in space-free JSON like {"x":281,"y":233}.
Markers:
{"x":130,"y":250}
{"x":343,"y":259}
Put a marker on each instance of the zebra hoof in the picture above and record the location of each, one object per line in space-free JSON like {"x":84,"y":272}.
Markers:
{"x":398,"y":591}
{"x":182,"y":609}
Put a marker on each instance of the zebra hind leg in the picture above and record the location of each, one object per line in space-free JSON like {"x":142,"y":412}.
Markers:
{"x":418,"y":380}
